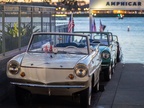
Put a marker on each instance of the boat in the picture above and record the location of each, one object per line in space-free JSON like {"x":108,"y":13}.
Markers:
{"x":120,"y":16}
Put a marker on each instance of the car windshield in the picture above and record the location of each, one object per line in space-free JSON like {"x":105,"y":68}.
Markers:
{"x":58,"y":44}
{"x":101,"y":38}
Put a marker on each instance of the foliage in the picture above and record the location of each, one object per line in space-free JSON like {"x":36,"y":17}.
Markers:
{"x":13,"y":31}
{"x":11,"y":34}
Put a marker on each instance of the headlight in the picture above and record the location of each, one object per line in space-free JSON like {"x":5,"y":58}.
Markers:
{"x":105,"y":55}
{"x":81,"y":70}
{"x":13,"y":67}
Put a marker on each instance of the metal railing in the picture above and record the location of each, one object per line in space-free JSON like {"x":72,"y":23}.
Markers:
{"x":18,"y":22}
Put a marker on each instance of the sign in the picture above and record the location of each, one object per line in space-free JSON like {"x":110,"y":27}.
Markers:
{"x":116,"y":4}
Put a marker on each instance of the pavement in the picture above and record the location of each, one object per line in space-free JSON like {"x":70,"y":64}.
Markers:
{"x":124,"y":90}
{"x":4,"y":86}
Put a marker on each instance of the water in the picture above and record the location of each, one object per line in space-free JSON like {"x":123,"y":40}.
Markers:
{"x":132,"y":42}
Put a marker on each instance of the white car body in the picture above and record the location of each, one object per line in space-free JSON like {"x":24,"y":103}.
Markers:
{"x":54,"y":73}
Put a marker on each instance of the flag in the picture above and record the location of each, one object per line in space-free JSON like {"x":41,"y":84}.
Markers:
{"x":71,"y":24}
{"x":94,"y":26}
{"x":70,"y":27}
{"x":102,"y":27}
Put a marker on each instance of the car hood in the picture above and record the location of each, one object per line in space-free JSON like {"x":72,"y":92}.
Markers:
{"x":102,"y":48}
{"x":51,"y":60}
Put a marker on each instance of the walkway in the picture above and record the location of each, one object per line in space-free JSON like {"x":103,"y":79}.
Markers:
{"x":126,"y":89}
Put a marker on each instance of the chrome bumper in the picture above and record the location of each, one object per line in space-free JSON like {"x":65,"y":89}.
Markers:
{"x":48,"y":86}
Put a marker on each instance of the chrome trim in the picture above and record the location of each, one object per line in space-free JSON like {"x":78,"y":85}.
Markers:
{"x":46,"y":67}
{"x":104,"y":64}
{"x":95,"y":68}
{"x":48,"y":86}
{"x":93,"y":71}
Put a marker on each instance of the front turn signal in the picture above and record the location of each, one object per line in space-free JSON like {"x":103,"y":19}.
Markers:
{"x":71,"y":76}
{"x":22,"y":74}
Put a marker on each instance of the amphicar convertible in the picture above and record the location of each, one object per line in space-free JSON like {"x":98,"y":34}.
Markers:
{"x":109,"y":48}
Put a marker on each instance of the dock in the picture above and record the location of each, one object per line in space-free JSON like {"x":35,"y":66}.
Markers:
{"x":124,"y":90}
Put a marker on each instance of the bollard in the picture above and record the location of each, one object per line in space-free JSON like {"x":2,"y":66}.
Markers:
{"x":128,"y":29}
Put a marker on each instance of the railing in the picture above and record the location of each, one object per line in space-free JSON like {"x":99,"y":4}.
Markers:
{"x":17,"y":23}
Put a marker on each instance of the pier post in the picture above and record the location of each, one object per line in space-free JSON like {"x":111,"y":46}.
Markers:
{"x":128,"y":29}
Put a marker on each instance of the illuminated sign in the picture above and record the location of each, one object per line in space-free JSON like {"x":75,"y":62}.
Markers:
{"x":116,"y":5}
{"x":123,"y":4}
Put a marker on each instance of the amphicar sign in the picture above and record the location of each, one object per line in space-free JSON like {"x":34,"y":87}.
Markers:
{"x":114,"y":5}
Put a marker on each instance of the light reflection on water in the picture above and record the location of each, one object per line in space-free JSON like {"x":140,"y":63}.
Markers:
{"x":132,"y":42}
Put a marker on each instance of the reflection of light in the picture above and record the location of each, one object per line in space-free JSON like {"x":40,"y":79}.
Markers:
{"x":86,"y":9}
{"x":135,"y":12}
{"x":62,"y":15}
{"x":94,"y":14}
{"x":118,"y":11}
{"x":108,"y":12}
{"x":63,"y":8}
{"x":79,"y":8}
